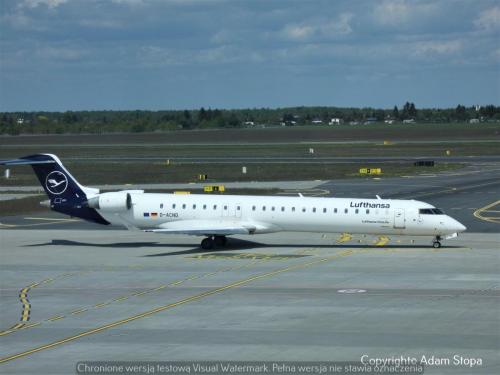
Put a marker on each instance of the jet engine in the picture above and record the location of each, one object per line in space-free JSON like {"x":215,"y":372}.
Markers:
{"x":111,"y":202}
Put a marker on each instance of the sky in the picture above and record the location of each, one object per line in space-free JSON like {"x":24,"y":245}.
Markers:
{"x":58,"y":55}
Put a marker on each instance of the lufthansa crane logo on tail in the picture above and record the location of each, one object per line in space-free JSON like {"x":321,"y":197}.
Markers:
{"x":56,"y":182}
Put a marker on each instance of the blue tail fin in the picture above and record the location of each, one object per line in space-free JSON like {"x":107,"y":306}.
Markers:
{"x":65,"y":193}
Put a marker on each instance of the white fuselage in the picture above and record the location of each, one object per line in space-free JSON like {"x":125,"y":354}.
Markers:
{"x":265,"y":214}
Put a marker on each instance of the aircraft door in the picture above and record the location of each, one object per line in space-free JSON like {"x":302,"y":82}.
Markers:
{"x":228,"y":210}
{"x":399,"y":218}
{"x":231,"y":210}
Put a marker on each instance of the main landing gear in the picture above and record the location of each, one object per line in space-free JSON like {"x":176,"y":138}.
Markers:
{"x":213,"y":241}
{"x":436,"y":243}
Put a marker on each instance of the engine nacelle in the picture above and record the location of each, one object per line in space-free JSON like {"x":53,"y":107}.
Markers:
{"x":111,"y":202}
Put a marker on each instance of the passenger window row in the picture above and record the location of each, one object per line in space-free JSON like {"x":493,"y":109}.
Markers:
{"x":303,"y":209}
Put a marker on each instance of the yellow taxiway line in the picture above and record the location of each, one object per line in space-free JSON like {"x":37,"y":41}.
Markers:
{"x":478,"y":213}
{"x":344,"y":238}
{"x":108,"y":302}
{"x":382,"y":241}
{"x":172,"y":305}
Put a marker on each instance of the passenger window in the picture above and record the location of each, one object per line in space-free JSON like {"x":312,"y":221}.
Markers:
{"x":161,"y":205}
{"x":293,"y":209}
{"x":194,"y":207}
{"x":173,"y":206}
{"x":303,"y":209}
{"x":346,"y":210}
{"x":263,"y":208}
{"x":324,"y":210}
{"x":238,"y":208}
{"x":334,"y":210}
{"x":204,"y":206}
{"x":367,"y":211}
{"x":272,"y":208}
{"x":215,"y":206}
{"x":356,"y":211}
{"x":282,"y":209}
{"x":253,"y":208}
{"x":183,"y":206}
{"x":314,"y":209}
{"x":225,"y":208}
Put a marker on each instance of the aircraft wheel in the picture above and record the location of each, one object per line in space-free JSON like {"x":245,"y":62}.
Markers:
{"x":220,"y":241}
{"x":436,"y":244}
{"x":207,"y":244}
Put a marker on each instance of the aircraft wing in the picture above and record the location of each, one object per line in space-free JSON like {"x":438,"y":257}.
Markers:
{"x":203,"y":228}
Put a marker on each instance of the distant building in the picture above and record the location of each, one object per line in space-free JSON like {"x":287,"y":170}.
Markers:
{"x":389,"y":121}
{"x":249,"y":123}
{"x":20,"y":121}
{"x":370,"y":120}
{"x":409,"y":121}
{"x":474,"y":121}
{"x":335,"y":121}
{"x":354,"y":123}
{"x":317,"y":121}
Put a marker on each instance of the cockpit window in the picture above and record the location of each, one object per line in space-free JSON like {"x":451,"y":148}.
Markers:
{"x":430,"y":211}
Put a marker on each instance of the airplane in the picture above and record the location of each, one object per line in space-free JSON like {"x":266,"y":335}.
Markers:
{"x":217,"y":216}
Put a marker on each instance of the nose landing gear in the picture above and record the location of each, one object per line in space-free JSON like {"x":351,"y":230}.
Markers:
{"x":213,"y":241}
{"x":436,"y":243}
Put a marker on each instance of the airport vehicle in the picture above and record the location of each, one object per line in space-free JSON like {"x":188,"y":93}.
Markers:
{"x":218,"y":216}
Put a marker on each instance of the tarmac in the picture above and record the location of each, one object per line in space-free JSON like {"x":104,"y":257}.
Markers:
{"x":72,"y":292}
{"x":71,"y":295}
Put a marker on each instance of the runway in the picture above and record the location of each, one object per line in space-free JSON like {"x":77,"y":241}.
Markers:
{"x":69,"y":296}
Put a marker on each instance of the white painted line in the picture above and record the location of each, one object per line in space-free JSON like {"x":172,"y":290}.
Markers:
{"x":351,"y":291}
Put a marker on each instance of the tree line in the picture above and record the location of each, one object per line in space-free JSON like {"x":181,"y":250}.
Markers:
{"x":205,"y":118}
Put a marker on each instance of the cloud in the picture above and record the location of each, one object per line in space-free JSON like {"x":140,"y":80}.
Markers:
{"x":51,"y":4}
{"x":101,"y":23}
{"x":227,"y":36}
{"x":488,"y":19}
{"x":60,"y":53}
{"x":156,"y":56}
{"x":436,"y":48}
{"x":398,"y":12}
{"x":299,"y":32}
{"x":319,"y":28}
{"x":17,"y":20}
{"x":129,"y":2}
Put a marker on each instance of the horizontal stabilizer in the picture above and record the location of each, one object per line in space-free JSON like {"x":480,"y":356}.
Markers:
{"x":26,"y":161}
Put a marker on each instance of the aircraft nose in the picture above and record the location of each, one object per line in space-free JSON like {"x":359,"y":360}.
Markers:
{"x":459,"y":227}
{"x":453,"y":225}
